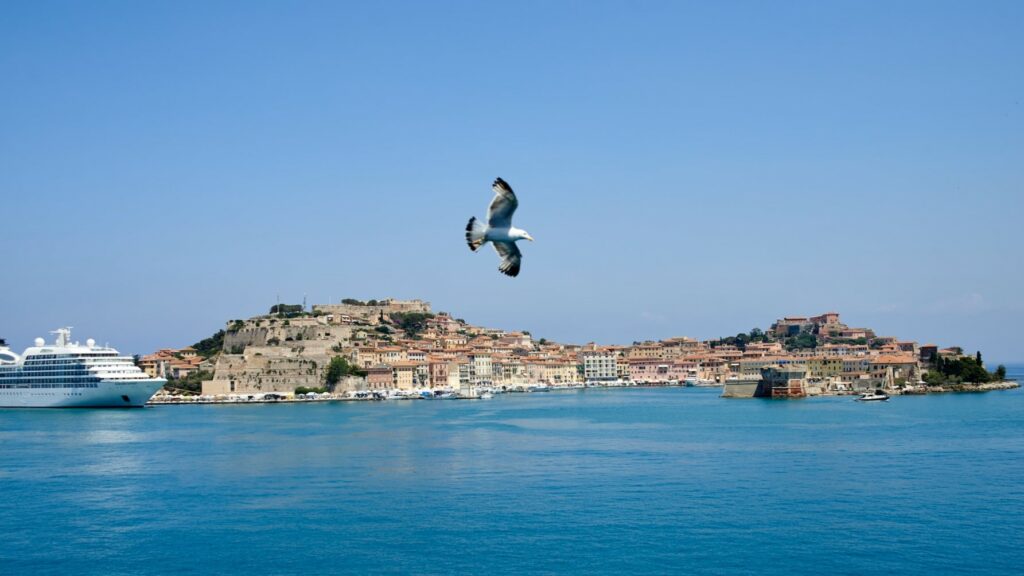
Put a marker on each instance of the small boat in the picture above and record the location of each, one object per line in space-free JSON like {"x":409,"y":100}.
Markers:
{"x":486,"y":396}
{"x":876,"y":396}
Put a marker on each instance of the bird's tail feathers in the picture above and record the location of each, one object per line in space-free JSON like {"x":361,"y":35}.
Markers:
{"x":475,"y":232}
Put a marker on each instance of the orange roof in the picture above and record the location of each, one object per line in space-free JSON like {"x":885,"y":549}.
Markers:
{"x":893,"y":359}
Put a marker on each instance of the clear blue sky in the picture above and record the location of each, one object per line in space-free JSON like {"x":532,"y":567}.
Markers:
{"x":686,"y":168}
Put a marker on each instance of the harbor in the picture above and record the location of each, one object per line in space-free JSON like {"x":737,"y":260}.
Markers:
{"x":661,"y":473}
{"x":391,"y":349}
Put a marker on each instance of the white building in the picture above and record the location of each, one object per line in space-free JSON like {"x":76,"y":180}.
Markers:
{"x":599,"y":366}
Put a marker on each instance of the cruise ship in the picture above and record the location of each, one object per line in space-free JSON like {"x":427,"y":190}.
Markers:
{"x":71,"y":375}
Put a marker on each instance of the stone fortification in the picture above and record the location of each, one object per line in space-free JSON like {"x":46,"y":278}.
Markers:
{"x":263,"y":331}
{"x":370,"y":314}
{"x":256,"y":372}
{"x":279,"y":353}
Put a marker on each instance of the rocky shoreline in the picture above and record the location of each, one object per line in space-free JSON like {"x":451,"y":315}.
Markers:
{"x":970,"y":387}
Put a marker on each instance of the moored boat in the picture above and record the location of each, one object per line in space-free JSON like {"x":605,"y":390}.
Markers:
{"x":876,"y":396}
{"x":72,"y":375}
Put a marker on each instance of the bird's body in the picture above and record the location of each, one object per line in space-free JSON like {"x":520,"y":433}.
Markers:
{"x":510,"y":234}
{"x":499,"y":230}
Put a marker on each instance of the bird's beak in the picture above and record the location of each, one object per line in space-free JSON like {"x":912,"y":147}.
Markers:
{"x":530,"y":238}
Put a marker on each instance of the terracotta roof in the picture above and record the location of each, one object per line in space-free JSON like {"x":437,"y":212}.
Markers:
{"x":893,"y":359}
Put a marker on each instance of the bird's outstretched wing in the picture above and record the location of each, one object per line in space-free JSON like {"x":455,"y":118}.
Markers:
{"x":499,"y":215}
{"x":511,"y":257}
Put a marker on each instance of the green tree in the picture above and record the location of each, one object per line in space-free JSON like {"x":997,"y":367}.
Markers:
{"x":411,"y":322}
{"x":336,"y":370}
{"x":190,"y":384}
{"x":804,"y":340}
{"x":963,"y":369}
{"x":339,"y":368}
{"x":208,"y":347}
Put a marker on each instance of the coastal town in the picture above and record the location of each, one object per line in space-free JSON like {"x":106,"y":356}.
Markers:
{"x":402,"y":349}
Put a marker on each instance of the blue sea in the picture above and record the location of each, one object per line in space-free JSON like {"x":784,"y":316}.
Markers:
{"x":624,"y":481}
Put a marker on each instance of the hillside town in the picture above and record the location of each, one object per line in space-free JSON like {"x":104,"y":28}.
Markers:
{"x":390,"y":348}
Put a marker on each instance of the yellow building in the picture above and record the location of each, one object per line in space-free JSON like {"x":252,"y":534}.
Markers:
{"x":403,"y":375}
{"x":822,"y":367}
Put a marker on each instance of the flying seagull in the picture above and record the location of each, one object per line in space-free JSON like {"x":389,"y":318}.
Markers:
{"x":499,"y":229}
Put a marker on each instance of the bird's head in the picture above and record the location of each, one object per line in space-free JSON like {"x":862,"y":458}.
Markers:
{"x":526,"y":236}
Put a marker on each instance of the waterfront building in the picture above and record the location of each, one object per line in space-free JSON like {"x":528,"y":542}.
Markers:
{"x":659,"y":371}
{"x":508,"y":371}
{"x":783,"y":381}
{"x":438,"y":371}
{"x":379,"y":377}
{"x":824,"y":367}
{"x":551,"y":371}
{"x":895,"y":369}
{"x":754,"y":366}
{"x":856,"y":365}
{"x":404,"y":376}
{"x":481,"y":364}
{"x":599,"y":366}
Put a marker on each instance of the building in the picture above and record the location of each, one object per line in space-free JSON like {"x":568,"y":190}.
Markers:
{"x":824,"y":367}
{"x":379,"y":377}
{"x":791,"y":326}
{"x":928,"y":353}
{"x":599,"y":366}
{"x":478,"y":370}
{"x":783,"y":381}
{"x":406,"y":376}
{"x":894,"y":369}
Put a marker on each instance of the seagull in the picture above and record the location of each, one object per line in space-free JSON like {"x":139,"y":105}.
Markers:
{"x":499,"y":229}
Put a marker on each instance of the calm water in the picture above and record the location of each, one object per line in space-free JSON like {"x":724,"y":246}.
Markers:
{"x":618,"y":481}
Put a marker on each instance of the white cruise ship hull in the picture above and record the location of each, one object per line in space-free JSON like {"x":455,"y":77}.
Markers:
{"x":106,"y":394}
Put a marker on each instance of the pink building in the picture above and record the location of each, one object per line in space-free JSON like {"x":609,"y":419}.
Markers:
{"x":659,"y":371}
{"x":379,"y":377}
{"x":439,"y":373}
